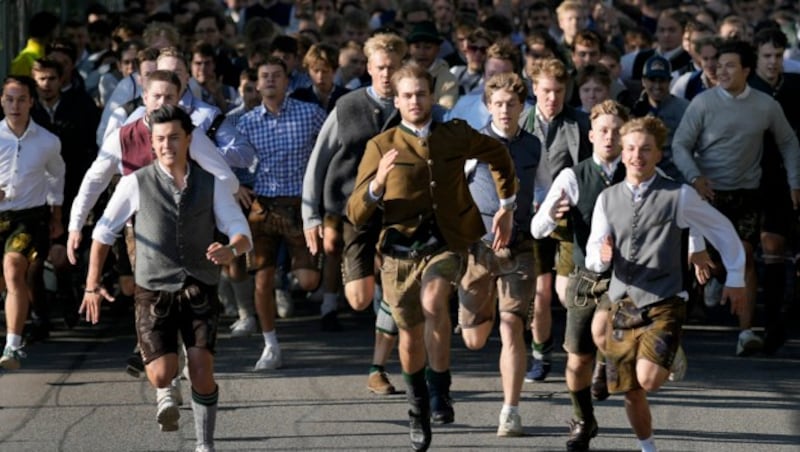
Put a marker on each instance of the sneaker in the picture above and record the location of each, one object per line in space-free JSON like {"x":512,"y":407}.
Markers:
{"x":419,"y":431}
{"x":442,"y":410}
{"x":330,"y":322}
{"x":270,"y":359}
{"x":204,"y":448}
{"x":538,"y":372}
{"x":510,"y":425}
{"x":748,"y":343}
{"x":599,"y":382}
{"x":12,"y":357}
{"x":168,"y":413}
{"x":679,"y":366}
{"x":243,"y":327}
{"x":580,"y":433}
{"x":712,"y":293}
{"x":284,"y":303}
{"x":378,"y":383}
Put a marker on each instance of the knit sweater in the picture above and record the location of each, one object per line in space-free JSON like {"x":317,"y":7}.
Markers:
{"x":721,"y":137}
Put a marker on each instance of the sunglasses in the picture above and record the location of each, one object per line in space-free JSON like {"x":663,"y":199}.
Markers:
{"x":474,"y":48}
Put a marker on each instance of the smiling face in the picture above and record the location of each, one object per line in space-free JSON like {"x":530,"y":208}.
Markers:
{"x":170,"y":143}
{"x":731,"y":76}
{"x":640,"y":155}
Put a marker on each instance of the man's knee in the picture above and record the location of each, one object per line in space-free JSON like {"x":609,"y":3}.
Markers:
{"x":307,"y":279}
{"x":162,"y":370}
{"x":359,"y":292}
{"x":15,"y":267}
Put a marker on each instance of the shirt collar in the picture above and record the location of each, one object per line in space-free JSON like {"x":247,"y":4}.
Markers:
{"x":642,"y":187}
{"x":742,"y":95}
{"x":31,"y":129}
{"x":165,"y":172}
{"x":265,"y":111}
{"x":499,"y":133}
{"x":608,"y":168}
{"x":421,"y":132}
{"x":374,"y":95}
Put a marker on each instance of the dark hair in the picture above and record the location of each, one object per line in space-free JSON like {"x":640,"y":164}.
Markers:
{"x":64,"y":46}
{"x":42,"y":24}
{"x":204,"y":49}
{"x":169,"y":113}
{"x":163,"y":76}
{"x":773,"y":36}
{"x":285,"y":44}
{"x":45,"y":63}
{"x":249,"y":74}
{"x":100,"y":27}
{"x":219,"y":21}
{"x":274,"y":61}
{"x":23,"y":80}
{"x":747,"y":56}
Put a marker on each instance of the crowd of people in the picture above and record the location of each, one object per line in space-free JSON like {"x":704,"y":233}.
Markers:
{"x":193,"y":158}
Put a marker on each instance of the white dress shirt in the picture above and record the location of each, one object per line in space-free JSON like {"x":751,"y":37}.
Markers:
{"x":109,"y":162}
{"x":124,"y":203}
{"x":31,"y":168}
{"x":692,"y":212}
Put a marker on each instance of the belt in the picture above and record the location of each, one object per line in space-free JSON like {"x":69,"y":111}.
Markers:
{"x":24,"y":214}
{"x":414,"y":253}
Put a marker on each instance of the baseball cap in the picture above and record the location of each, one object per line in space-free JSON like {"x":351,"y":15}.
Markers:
{"x":657,"y":67}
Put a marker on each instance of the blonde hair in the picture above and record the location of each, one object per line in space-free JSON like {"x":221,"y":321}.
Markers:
{"x":569,"y":6}
{"x":385,"y":42}
{"x":610,"y":107}
{"x":550,"y":67}
{"x":649,"y":125}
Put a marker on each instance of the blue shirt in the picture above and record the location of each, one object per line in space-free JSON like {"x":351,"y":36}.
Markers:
{"x":283,"y":143}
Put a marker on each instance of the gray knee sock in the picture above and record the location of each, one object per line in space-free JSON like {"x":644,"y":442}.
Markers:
{"x":384,"y":321}
{"x":204,"y":408}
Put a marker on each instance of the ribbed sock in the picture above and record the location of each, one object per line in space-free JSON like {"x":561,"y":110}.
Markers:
{"x":330,"y":301}
{"x":582,"y":404}
{"x":13,"y":340}
{"x":376,"y":368}
{"x":270,"y":338}
{"x":204,"y":407}
{"x":417,"y":391}
{"x":543,"y":350}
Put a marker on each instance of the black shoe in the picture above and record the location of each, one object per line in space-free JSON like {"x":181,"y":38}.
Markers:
{"x":773,"y":340}
{"x":442,"y":410}
{"x":330,"y":322}
{"x":419,"y":431}
{"x":580,"y":433}
{"x":134,"y":366}
{"x":599,"y":382}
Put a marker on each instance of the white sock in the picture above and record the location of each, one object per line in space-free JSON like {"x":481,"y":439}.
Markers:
{"x":511,"y":409}
{"x":648,"y":445}
{"x":13,"y":340}
{"x":270,"y":339}
{"x":330,"y":301}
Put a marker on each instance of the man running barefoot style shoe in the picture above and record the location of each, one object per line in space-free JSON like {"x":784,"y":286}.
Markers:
{"x":178,"y":206}
{"x":636,"y":231}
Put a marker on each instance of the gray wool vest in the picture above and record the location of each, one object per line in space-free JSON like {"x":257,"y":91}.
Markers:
{"x":173,"y":229}
{"x":647,"y":256}
{"x":359,"y":119}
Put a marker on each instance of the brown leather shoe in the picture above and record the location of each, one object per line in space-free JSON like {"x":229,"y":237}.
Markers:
{"x":378,"y":383}
{"x":580,"y":433}
{"x":599,"y":382}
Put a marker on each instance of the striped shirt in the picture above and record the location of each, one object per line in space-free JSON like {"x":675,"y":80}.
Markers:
{"x":283,"y":144}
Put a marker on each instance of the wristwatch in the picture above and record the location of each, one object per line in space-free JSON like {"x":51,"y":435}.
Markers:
{"x":233,"y":250}
{"x":509,"y":206}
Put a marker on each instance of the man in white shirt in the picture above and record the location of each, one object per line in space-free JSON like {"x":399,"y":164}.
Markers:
{"x":177,"y":269}
{"x":635,"y":226}
{"x":31,"y":179}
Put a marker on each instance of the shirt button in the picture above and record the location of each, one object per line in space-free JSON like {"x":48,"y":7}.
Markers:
{"x":434,"y":206}
{"x":430,"y":162}
{"x":433,"y":184}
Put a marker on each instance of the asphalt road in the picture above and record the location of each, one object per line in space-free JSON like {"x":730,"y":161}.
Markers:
{"x":72,"y":395}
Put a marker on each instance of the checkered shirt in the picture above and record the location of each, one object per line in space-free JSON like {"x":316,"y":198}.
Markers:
{"x":283,"y":144}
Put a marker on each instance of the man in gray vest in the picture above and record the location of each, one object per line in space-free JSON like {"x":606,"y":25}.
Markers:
{"x":329,"y":180}
{"x":636,"y":226}
{"x":178,"y":205}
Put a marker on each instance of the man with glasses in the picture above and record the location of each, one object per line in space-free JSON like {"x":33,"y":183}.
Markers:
{"x":470,"y":74}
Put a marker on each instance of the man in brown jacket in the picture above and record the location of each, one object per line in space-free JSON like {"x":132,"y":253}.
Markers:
{"x":415,"y":173}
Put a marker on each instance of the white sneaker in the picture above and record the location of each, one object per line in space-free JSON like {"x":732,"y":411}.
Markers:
{"x":12,"y":357}
{"x":168,"y":413}
{"x":748,"y":343}
{"x":679,"y":365}
{"x":204,"y":448}
{"x":712,"y":292}
{"x":284,"y":303}
{"x":510,"y":425}
{"x":244,"y":327}
{"x":270,"y":359}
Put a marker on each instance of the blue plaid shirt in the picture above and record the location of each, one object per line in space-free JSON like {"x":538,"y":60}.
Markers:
{"x":283,"y":144}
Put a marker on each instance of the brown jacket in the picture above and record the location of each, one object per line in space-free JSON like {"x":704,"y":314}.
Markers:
{"x":428,"y":179}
